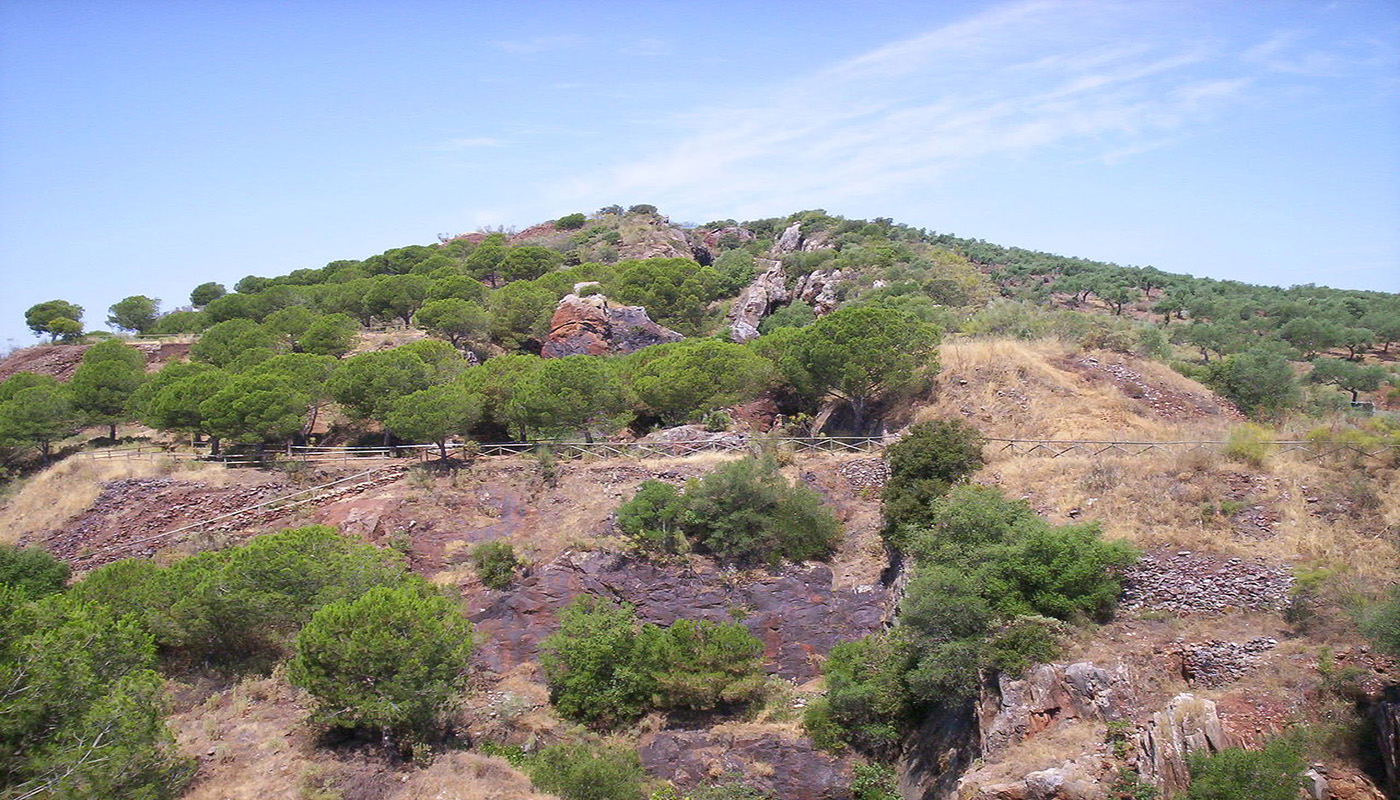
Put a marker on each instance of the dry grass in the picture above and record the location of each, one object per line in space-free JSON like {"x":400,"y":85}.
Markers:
{"x":467,"y":776}
{"x":44,"y":501}
{"x":1158,"y":502}
{"x":1016,"y":389}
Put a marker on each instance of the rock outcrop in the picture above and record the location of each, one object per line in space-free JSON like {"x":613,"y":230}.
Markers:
{"x":758,"y":300}
{"x":775,"y":763}
{"x":937,"y":754}
{"x":1080,"y":779}
{"x":789,"y":241}
{"x":1216,"y":663}
{"x":1048,"y":695}
{"x":1189,"y":724}
{"x":1386,"y":714}
{"x":593,"y":326}
{"x":818,"y":289}
{"x":795,"y":610}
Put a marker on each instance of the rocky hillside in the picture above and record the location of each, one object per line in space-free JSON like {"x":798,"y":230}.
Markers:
{"x":1230,"y":632}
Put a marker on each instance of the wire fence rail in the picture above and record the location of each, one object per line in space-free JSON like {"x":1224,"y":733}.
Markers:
{"x":462,"y":451}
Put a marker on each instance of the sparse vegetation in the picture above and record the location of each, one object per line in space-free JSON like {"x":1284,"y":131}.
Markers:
{"x":743,"y":511}
{"x":496,"y":563}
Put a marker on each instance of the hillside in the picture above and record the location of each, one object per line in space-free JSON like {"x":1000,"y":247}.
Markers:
{"x":1244,"y":611}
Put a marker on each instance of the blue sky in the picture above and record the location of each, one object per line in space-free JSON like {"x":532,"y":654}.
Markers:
{"x":146,"y":147}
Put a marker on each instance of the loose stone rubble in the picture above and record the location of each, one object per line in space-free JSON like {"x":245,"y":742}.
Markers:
{"x":1198,"y":583}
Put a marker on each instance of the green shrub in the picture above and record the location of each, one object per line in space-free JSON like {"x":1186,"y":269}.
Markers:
{"x":874,"y":782}
{"x":1382,"y":623}
{"x":241,"y":607}
{"x":1273,"y":773}
{"x":31,"y":571}
{"x":495,"y":563}
{"x":744,"y":511}
{"x":590,"y":663}
{"x":605,"y":668}
{"x":571,"y":222}
{"x":580,"y":772}
{"x":866,"y":697}
{"x":1248,"y":444}
{"x":701,"y":665}
{"x":390,"y":661}
{"x":924,"y":465}
{"x":83,"y":714}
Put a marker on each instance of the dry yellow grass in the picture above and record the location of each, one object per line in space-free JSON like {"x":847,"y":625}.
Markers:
{"x":1015,"y":389}
{"x":467,"y":776}
{"x":44,"y":501}
{"x":1162,"y":502}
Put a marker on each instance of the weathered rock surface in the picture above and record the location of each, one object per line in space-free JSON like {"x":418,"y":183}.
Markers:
{"x":866,"y":474}
{"x":794,"y":610}
{"x":1198,"y":583}
{"x":1048,"y":695}
{"x":62,"y":360}
{"x":1189,"y":724}
{"x":758,"y":300}
{"x":789,"y":241}
{"x":818,"y":289}
{"x":1386,"y":713}
{"x":1328,"y":783}
{"x":1216,"y":663}
{"x":1080,"y":779}
{"x":686,"y":439}
{"x":938,"y":754}
{"x":773,"y":762}
{"x":593,"y":326}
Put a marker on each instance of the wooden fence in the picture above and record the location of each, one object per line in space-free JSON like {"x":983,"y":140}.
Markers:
{"x":1047,"y":448}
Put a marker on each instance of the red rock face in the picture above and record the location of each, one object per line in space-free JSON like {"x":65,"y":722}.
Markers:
{"x":795,"y":611}
{"x":782,"y":765}
{"x":593,"y":326}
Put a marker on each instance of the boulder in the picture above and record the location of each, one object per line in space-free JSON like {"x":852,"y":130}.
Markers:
{"x":818,"y":289}
{"x":593,"y":326}
{"x":758,"y":300}
{"x":1189,"y":724}
{"x":789,"y":241}
{"x":1048,"y":695}
{"x":774,"y":762}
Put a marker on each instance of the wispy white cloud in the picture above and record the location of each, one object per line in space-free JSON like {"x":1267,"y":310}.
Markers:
{"x":1080,"y":80}
{"x":539,"y":44}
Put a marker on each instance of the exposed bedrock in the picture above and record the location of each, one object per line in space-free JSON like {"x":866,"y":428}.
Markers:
{"x":794,"y":610}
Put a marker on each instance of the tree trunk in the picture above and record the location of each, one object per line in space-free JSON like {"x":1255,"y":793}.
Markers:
{"x":112,"y":432}
{"x":213,"y":445}
{"x":442,"y":448}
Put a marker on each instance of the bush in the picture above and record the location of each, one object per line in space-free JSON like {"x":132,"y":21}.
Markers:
{"x":744,"y":511}
{"x":701,"y":665}
{"x":495,"y":563}
{"x":84,"y":712}
{"x":390,"y":661}
{"x":1273,"y":773}
{"x":924,"y":465}
{"x":604,"y":668}
{"x":1382,"y":623}
{"x":571,"y":222}
{"x":874,"y":782}
{"x":590,"y":663}
{"x":1248,"y":444}
{"x":867,"y":699}
{"x":580,"y":772}
{"x":241,"y":607}
{"x":32,"y":572}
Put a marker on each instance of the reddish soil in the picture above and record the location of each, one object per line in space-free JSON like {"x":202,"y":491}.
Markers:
{"x":61,"y":360}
